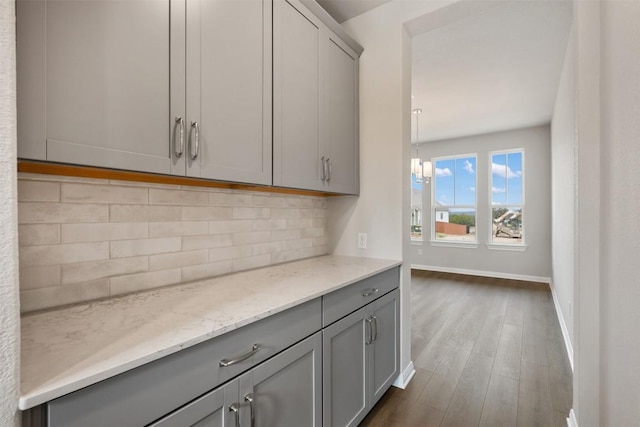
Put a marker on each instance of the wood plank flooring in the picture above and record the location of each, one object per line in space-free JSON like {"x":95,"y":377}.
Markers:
{"x":487,"y":352}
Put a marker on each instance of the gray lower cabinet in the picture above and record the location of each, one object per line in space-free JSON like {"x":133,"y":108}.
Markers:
{"x":360,"y":360}
{"x":283,"y":391}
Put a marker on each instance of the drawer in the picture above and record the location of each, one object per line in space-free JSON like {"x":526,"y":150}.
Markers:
{"x":338,"y":304}
{"x":144,"y":394}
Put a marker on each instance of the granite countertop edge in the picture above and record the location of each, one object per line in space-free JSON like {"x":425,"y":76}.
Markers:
{"x":80,"y":351}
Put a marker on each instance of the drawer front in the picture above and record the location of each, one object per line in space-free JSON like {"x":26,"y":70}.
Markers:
{"x":338,"y":304}
{"x":144,"y":394}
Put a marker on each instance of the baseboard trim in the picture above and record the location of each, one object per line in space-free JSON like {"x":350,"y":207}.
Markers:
{"x":496,"y":274}
{"x":572,"y":421}
{"x":405,"y":378}
{"x":563,"y":325}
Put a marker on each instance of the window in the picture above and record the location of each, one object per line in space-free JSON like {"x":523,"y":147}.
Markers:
{"x":507,"y":197}
{"x":416,"y":207}
{"x":454,"y":199}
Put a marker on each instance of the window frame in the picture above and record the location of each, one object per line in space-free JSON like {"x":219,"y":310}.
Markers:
{"x":446,"y":242}
{"x":491,"y":244}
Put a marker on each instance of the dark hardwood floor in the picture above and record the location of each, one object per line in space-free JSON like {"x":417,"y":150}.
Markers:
{"x":487,"y":352}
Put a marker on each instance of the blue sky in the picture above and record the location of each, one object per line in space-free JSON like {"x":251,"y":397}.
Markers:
{"x":506,"y":174}
{"x":455,"y":181}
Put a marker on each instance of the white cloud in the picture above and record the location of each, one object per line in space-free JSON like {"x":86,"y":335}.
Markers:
{"x":472,"y":189}
{"x":443,"y":172}
{"x":468,"y":166}
{"x":504,"y":171}
{"x":498,"y":190}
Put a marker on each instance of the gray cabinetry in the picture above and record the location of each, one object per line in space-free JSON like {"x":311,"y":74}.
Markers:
{"x":360,"y":360}
{"x":315,"y":103}
{"x":94,"y":83}
{"x":283,"y":391}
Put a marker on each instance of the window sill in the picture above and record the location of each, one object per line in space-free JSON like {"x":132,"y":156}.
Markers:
{"x":454,"y":244}
{"x":499,"y":247}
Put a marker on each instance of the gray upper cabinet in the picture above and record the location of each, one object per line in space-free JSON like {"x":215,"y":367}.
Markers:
{"x":94,"y":83}
{"x":315,"y":115}
{"x":229,"y":90}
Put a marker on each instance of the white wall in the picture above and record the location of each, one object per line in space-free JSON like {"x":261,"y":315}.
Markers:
{"x":620,"y":213}
{"x":9,"y":305}
{"x":563,"y":189}
{"x":535,"y":261}
{"x":383,"y":208}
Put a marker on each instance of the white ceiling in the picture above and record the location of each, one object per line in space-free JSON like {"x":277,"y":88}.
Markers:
{"x":494,"y":70}
{"x":343,"y":10}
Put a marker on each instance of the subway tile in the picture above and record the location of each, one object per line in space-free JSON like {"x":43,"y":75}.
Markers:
{"x":242,"y":264}
{"x":285,"y":213}
{"x":313,"y":232}
{"x":298,"y":244}
{"x":298,"y":202}
{"x":313,"y":213}
{"x":38,"y":234}
{"x":320,"y":203}
{"x":230,"y":199}
{"x":60,"y":178}
{"x":193,"y":213}
{"x":57,"y":213}
{"x":269,"y":201}
{"x":142,"y":213}
{"x":143,"y":281}
{"x":129,"y":248}
{"x":203,"y":271}
{"x":320,"y":241}
{"x":63,"y":253}
{"x":252,"y":237}
{"x":233,"y":252}
{"x":290,"y":255}
{"x":88,"y":193}
{"x":178,"y":228}
{"x":269,"y":224}
{"x":141,"y":184}
{"x":103,"y":232}
{"x":178,"y":259}
{"x":289,"y":234}
{"x":83,"y":271}
{"x":177,"y":197}
{"x":251,"y":213}
{"x":55,"y":296}
{"x":39,"y":276}
{"x":300,"y":223}
{"x":38,"y":191}
{"x":267,"y":248}
{"x":231,"y":226}
{"x":207,"y":241}
{"x":319,"y":222}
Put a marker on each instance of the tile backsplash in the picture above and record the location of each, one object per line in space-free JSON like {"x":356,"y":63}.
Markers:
{"x":83,"y":239}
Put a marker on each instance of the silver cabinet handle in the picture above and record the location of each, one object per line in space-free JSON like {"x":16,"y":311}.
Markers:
{"x":323,"y":176}
{"x":235,"y":408}
{"x":228,"y":362}
{"x":370,"y":334}
{"x":330,"y":163}
{"x":249,"y":398}
{"x":196,"y":129}
{"x":369,"y":292}
{"x":180,"y":122}
{"x":374,"y":338}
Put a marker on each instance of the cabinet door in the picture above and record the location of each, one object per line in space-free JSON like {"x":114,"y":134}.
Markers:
{"x":229,"y":89}
{"x":384,"y":362}
{"x":345,"y":382}
{"x":94,"y":84}
{"x":297,"y":91}
{"x":210,"y":410}
{"x":340,"y":136}
{"x":287,"y":389}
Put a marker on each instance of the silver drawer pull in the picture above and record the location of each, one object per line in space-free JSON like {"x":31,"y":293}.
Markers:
{"x":196,"y":129}
{"x":369,"y":338}
{"x":249,"y":398}
{"x":235,"y":408}
{"x":323,"y":176}
{"x":180,"y":122}
{"x":374,"y":336}
{"x":228,"y":362}
{"x":369,"y":292}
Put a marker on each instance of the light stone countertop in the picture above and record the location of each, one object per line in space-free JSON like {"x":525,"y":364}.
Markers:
{"x":71,"y":348}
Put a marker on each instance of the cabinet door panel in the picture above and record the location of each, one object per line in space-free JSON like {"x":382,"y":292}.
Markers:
{"x":210,"y":410}
{"x":287,"y":390}
{"x":385,"y":361}
{"x":345,"y":376}
{"x":107,"y":84}
{"x":297,"y":44}
{"x":341,"y":136}
{"x":229,"y":88}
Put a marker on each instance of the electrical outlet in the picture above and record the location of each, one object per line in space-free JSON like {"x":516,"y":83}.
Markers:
{"x":362,"y":240}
